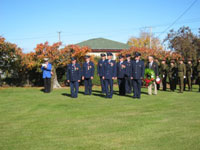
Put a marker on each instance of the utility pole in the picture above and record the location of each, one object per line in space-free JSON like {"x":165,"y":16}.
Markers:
{"x":150,"y":28}
{"x":59,"y":36}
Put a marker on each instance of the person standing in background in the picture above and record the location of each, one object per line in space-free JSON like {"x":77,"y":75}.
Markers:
{"x":198,"y":72}
{"x":138,"y":69}
{"x":128,"y":81}
{"x":163,"y":73}
{"x":181,"y":74}
{"x":88,"y":75}
{"x":189,"y":73}
{"x":46,"y":68}
{"x":121,"y":70}
{"x":172,"y":75}
{"x":109,"y":74}
{"x":153,"y":66}
{"x":100,"y":72}
{"x":74,"y":77}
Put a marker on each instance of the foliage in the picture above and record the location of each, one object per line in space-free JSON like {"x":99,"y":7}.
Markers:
{"x":149,"y":77}
{"x":184,"y":42}
{"x":143,"y":41}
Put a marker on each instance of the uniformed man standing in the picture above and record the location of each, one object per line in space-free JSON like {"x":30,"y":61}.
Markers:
{"x":128,"y":81}
{"x":159,"y":65}
{"x":109,"y":74}
{"x":74,"y":77}
{"x":121,"y":70}
{"x":198,"y":72}
{"x":88,"y":75}
{"x":172,"y":74}
{"x":100,"y":72}
{"x":181,"y":74}
{"x":189,"y":73}
{"x":137,"y":75}
{"x":163,"y":73}
{"x":46,"y":68}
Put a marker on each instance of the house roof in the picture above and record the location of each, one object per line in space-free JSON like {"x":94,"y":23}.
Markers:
{"x":101,"y":43}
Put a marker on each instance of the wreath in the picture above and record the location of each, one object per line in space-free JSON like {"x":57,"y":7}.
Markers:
{"x":149,"y":77}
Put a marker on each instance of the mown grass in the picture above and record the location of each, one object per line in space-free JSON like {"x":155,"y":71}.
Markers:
{"x":33,"y":120}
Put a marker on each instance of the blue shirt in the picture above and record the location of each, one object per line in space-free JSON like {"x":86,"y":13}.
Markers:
{"x":47,"y":71}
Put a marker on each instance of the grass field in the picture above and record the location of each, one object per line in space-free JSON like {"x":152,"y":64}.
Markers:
{"x":33,"y":120}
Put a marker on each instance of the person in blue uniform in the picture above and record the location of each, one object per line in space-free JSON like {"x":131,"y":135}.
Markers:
{"x":88,"y":75}
{"x":137,"y":75}
{"x":109,"y":74}
{"x":121,"y":70}
{"x":129,"y":82}
{"x":100,"y":72}
{"x":74,"y":77}
{"x":46,"y":68}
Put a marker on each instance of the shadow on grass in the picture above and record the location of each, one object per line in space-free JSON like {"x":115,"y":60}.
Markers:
{"x":99,"y":95}
{"x":66,"y":94}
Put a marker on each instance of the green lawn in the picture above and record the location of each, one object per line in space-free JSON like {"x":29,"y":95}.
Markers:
{"x":32,"y":120}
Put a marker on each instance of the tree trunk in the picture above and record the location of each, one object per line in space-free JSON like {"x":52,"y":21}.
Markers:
{"x":54,"y":80}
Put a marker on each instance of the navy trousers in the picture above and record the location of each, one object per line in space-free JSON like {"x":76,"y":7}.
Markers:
{"x":47,"y":85}
{"x":109,"y":84}
{"x":88,"y":86}
{"x":121,"y":84}
{"x":128,"y":84}
{"x":137,"y":87}
{"x":102,"y":85}
{"x":74,"y":87}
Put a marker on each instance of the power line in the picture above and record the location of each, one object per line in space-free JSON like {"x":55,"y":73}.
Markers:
{"x":178,"y":18}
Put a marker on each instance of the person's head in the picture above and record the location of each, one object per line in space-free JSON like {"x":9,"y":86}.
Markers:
{"x":87,"y":58}
{"x":163,"y":61}
{"x":189,"y":61}
{"x":103,"y":56}
{"x":199,"y":60}
{"x":46,"y":60}
{"x":73,"y":59}
{"x":128,"y":57}
{"x":109,"y":55}
{"x":121,"y":58}
{"x":172,"y":62}
{"x":150,"y":58}
{"x":181,"y":61}
{"x":137,"y":56}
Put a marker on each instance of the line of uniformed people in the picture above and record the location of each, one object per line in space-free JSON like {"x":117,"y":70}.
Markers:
{"x":179,"y":73}
{"x":128,"y":73}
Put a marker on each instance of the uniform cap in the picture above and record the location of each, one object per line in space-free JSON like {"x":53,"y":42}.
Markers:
{"x":128,"y":55}
{"x":109,"y":54}
{"x":120,"y":56}
{"x":46,"y":59}
{"x":87,"y":56}
{"x":137,"y":54}
{"x":73,"y":58}
{"x":102,"y":55}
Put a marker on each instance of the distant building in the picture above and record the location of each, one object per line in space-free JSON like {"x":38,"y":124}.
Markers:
{"x":101,"y":45}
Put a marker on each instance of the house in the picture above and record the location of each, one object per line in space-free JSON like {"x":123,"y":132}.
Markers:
{"x":101,"y":45}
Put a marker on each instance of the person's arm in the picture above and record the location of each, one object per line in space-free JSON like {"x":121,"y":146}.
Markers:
{"x":49,"y":67}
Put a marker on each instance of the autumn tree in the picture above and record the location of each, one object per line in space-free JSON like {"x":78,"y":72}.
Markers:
{"x":10,"y":59}
{"x":145,"y":40}
{"x":183,"y":42}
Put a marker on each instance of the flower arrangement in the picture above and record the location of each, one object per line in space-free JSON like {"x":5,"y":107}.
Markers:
{"x":149,"y":77}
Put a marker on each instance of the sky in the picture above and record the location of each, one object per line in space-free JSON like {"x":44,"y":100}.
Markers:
{"x":30,"y":22}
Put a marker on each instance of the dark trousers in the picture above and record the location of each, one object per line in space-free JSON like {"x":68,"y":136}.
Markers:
{"x":172,"y":82}
{"x":121,"y":84}
{"x":137,"y":87}
{"x":47,"y":85}
{"x":74,"y":86}
{"x":88,"y":86}
{"x":188,"y":81}
{"x":109,"y":83}
{"x":102,"y":85}
{"x":128,"y":85}
{"x":164,"y":83}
